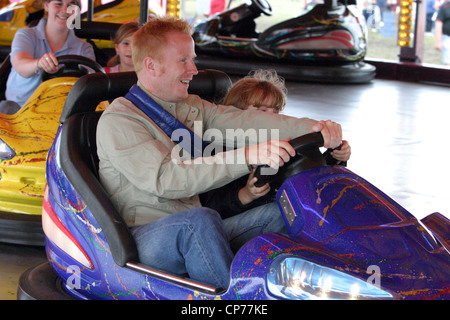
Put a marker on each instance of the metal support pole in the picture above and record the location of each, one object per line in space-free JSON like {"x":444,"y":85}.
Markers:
{"x":143,"y":15}
{"x":415,"y":53}
{"x":90,"y":10}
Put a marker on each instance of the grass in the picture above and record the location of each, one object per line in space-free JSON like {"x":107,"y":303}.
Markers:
{"x":379,"y":45}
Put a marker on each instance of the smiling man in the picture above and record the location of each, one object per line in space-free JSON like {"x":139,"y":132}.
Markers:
{"x":157,"y":196}
{"x":36,"y":49}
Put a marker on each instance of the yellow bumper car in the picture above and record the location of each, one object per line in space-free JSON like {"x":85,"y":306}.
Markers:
{"x":25,"y":138}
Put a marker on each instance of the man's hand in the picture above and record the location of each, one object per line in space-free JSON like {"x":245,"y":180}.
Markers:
{"x":331,"y":132}
{"x":273,"y":153}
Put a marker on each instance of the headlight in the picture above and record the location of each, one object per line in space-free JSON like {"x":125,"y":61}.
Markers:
{"x":295,"y":278}
{"x":6,"y":153}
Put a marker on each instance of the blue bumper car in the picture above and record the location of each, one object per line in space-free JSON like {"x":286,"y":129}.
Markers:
{"x":346,"y":239}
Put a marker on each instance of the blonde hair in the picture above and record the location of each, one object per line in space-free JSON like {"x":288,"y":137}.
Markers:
{"x":150,"y":39}
{"x":124,"y":31}
{"x":255,"y":88}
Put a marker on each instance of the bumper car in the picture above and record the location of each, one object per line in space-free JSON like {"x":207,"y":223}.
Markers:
{"x":25,"y":138}
{"x":326,"y":44}
{"x":21,"y":14}
{"x":346,"y":239}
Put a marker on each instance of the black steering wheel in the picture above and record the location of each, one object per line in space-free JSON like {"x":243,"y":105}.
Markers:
{"x":308,"y":155}
{"x":263,"y":6}
{"x":73,"y":66}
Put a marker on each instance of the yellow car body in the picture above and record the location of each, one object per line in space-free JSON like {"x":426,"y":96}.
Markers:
{"x":13,"y":17}
{"x":30,"y":133}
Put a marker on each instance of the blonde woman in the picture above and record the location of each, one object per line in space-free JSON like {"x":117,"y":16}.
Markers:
{"x":36,"y":49}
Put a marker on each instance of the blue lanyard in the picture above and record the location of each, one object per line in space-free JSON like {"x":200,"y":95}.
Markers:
{"x":166,"y":121}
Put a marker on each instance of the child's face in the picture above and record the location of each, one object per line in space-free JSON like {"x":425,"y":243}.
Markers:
{"x":263,"y":108}
{"x":268,"y":105}
{"x":123,"y":49}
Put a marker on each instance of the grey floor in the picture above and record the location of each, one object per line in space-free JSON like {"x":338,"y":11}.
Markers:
{"x":399,"y":134}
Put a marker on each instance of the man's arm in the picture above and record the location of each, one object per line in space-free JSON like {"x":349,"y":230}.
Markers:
{"x":148,"y":162}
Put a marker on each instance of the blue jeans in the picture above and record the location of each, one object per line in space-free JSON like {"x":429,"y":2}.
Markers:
{"x":251,"y":223}
{"x":197,"y":241}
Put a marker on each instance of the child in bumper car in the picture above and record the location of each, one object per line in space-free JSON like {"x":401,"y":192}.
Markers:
{"x":262,"y":90}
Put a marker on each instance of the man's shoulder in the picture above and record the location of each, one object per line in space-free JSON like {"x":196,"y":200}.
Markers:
{"x":444,"y":12}
{"x":119,"y":104}
{"x":116,"y":118}
{"x":445,"y":6}
{"x":193,"y":98}
{"x":197,"y":101}
{"x":120,"y":107}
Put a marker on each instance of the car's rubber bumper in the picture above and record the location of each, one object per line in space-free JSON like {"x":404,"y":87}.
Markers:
{"x":41,"y":283}
{"x":25,"y":229}
{"x":356,"y":72}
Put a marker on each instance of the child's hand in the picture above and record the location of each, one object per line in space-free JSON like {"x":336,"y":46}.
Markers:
{"x":344,"y":153}
{"x":251,"y":192}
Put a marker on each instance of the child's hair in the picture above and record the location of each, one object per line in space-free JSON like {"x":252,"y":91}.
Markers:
{"x":124,"y":31}
{"x":255,"y":88}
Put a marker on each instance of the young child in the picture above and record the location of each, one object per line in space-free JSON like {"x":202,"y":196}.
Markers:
{"x":123,"y":61}
{"x":260,"y":90}
{"x":265,"y":91}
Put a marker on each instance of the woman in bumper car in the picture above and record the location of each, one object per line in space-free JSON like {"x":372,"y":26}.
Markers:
{"x":35,"y":50}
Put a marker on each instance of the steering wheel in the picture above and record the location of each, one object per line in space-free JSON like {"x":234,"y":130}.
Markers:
{"x":72,"y":66}
{"x":308,"y":155}
{"x":263,"y":6}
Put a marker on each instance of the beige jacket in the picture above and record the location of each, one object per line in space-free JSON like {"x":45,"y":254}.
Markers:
{"x":146,"y":178}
